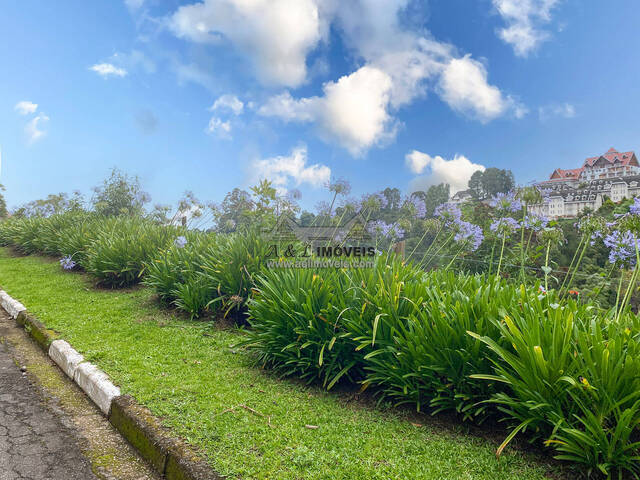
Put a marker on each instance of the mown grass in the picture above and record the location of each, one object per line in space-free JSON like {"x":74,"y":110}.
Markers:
{"x":189,"y":374}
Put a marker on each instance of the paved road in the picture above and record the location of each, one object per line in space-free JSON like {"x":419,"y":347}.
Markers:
{"x":34,"y":443}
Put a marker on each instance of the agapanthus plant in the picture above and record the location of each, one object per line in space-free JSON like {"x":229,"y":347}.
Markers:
{"x":380,"y":228}
{"x":534,"y":222}
{"x":469,"y":234}
{"x":448,"y":213}
{"x":67,"y":263}
{"x":180,"y":241}
{"x":506,"y":202}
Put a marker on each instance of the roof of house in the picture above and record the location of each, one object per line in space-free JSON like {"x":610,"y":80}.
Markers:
{"x":612,"y":156}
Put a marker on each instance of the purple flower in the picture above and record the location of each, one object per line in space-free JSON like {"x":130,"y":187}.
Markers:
{"x":468,"y":232}
{"x":635,"y":208}
{"x":594,"y":236}
{"x":67,"y":263}
{"x":380,"y":199}
{"x":504,"y":226}
{"x":448,"y":212}
{"x":381,"y":228}
{"x":418,"y":207}
{"x":622,"y":247}
{"x":506,"y":202}
{"x":534,"y":222}
{"x":180,"y":241}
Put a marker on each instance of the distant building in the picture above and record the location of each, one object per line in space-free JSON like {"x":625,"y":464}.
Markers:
{"x":615,"y":175}
{"x":461,"y":196}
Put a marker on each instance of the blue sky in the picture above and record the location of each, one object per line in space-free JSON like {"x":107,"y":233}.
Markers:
{"x":210,"y":95}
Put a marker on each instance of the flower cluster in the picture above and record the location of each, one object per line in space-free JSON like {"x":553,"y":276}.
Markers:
{"x":381,"y":228}
{"x":504,"y":226}
{"x":468,"y":232}
{"x":506,"y":202}
{"x":448,"y":212}
{"x":180,"y":242}
{"x":418,"y":207}
{"x":635,"y":208}
{"x":535,"y":222}
{"x":67,"y":263}
{"x":340,"y":187}
{"x":622,"y":247}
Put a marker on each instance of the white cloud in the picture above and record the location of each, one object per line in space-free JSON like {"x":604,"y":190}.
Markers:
{"x":220,"y":128}
{"x":228,"y":102}
{"x":456,"y":172}
{"x":524,"y":19}
{"x":276,"y":34}
{"x":289,"y":109}
{"x":463,"y":85}
{"x":563,"y":110}
{"x":25,"y":107}
{"x":33,"y":129}
{"x":353,"y":111}
{"x":107,"y":69}
{"x":398,"y":62}
{"x":291,"y":170}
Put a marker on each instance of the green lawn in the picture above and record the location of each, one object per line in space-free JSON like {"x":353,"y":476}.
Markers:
{"x":188,"y":374}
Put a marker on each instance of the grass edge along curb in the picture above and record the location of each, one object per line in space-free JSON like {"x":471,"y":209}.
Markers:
{"x":170,"y":457}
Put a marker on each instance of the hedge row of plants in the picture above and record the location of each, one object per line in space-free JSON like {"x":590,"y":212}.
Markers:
{"x":565,"y":372}
{"x":197,"y":272}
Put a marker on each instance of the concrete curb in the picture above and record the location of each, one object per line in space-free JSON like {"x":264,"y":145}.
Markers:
{"x":170,"y":457}
{"x":11,"y":306}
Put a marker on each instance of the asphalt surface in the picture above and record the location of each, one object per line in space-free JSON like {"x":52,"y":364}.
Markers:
{"x":34,"y":443}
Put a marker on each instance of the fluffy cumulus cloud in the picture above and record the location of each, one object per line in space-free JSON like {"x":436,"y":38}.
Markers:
{"x":108,"y":70}
{"x":398,"y":62}
{"x":524,"y":23}
{"x":277,"y":35}
{"x":25,"y":107}
{"x":229,"y":103}
{"x":289,"y":171}
{"x":463,"y":85}
{"x":352,"y":111}
{"x":562,"y":110}
{"x":400,"y":65}
{"x":34,"y":130}
{"x":456,"y":172}
{"x":220,"y":128}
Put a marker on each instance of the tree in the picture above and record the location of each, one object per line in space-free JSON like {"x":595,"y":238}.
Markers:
{"x":434,"y":196}
{"x":234,"y":211}
{"x":52,"y":205}
{"x":486,"y":184}
{"x":119,"y":195}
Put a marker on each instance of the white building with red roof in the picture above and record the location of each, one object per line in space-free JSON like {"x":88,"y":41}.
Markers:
{"x":567,"y":193}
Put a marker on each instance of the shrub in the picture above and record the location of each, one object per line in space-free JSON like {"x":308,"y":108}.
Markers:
{"x":50,"y":237}
{"x":296,"y":320}
{"x":573,"y":379}
{"x":117,"y":255}
{"x":75,"y":239}
{"x":231,"y":265}
{"x":176,"y":274}
{"x":413,"y":329}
